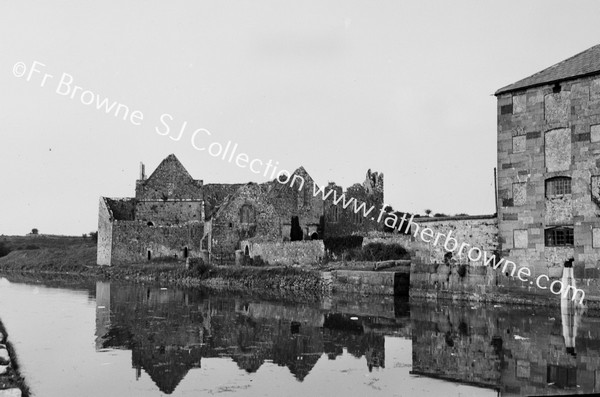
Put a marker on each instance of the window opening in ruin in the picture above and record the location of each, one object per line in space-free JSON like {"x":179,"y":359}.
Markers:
{"x":150,"y":223}
{"x":559,"y":236}
{"x":333,"y":213}
{"x":230,"y":224}
{"x":185,"y":252}
{"x":447,"y":258}
{"x":558,"y":186}
{"x":296,"y":233}
{"x":247,"y":214}
{"x":149,"y":255}
{"x":314,"y":236}
{"x":246,"y":251}
{"x":557,"y":88}
{"x":307,"y":194}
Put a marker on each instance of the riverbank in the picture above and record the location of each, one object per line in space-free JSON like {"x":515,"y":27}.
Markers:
{"x":78,"y":262}
{"x":12,"y":384}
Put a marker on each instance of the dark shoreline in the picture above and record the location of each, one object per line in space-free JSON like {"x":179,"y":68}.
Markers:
{"x":294,"y":283}
{"x":12,"y":378}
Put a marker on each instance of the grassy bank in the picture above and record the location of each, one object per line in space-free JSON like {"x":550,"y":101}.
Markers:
{"x":73,"y":258}
{"x":79,"y":260}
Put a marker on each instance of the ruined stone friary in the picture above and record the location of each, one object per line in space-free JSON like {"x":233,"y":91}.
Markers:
{"x":174,"y":215}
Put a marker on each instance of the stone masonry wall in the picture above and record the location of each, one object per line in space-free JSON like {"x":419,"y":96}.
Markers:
{"x":170,"y":180}
{"x":122,"y":209}
{"x":287,"y":253}
{"x":105,"y":233}
{"x":132,"y":240}
{"x":547,"y":132}
{"x":169,"y":212}
{"x":432,"y":275}
{"x":477,"y":231}
{"x":228,"y":227}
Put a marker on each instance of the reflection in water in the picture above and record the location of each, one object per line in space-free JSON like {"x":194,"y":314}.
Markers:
{"x":169,"y":331}
{"x":515,"y":350}
{"x":518,"y":351}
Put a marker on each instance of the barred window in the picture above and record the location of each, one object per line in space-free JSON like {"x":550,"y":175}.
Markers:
{"x":559,"y":237}
{"x":558,"y":186}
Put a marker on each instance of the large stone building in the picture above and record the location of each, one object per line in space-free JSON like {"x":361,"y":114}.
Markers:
{"x":549,"y":170}
{"x":176,"y":216}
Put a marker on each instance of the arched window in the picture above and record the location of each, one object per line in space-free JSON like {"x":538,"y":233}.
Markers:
{"x":558,"y":186}
{"x":247,"y":214}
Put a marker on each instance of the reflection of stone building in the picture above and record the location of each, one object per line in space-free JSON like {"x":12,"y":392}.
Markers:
{"x":170,"y":331}
{"x":516,"y":351}
{"x":174,"y":215}
{"x":549,"y":169}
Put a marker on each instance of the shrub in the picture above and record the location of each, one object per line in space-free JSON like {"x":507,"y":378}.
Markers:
{"x":197,"y":268}
{"x":383,"y":252}
{"x":4,"y":250}
{"x":338,"y":245}
{"x":258,"y":261}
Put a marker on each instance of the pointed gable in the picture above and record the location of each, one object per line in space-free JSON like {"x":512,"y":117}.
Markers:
{"x":169,"y":181}
{"x":583,"y":64}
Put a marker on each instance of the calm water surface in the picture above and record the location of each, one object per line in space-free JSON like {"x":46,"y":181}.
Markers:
{"x":131,"y":340}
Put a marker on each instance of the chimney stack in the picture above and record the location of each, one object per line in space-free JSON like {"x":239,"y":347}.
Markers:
{"x":142,"y":171}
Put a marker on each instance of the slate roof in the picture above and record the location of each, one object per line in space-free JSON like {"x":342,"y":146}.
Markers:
{"x":582,"y":64}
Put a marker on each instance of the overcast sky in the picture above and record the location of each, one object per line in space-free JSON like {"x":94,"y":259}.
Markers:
{"x":401,"y":87}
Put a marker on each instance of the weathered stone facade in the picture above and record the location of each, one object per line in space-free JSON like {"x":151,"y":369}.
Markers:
{"x":176,"y":216}
{"x":285,"y":253}
{"x":548,"y":167}
{"x":164,"y":220}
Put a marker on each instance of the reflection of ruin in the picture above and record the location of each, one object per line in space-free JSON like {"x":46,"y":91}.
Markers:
{"x":170,"y":330}
{"x":529,"y":351}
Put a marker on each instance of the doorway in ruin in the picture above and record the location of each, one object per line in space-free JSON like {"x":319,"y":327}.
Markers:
{"x":296,"y":233}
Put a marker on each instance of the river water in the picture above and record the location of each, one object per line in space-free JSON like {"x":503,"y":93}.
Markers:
{"x":115,"y":339}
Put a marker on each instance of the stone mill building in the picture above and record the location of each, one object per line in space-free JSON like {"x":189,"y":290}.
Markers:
{"x":549,"y":170}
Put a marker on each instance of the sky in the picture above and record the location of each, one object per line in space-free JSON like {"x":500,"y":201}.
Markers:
{"x":339,"y":87}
